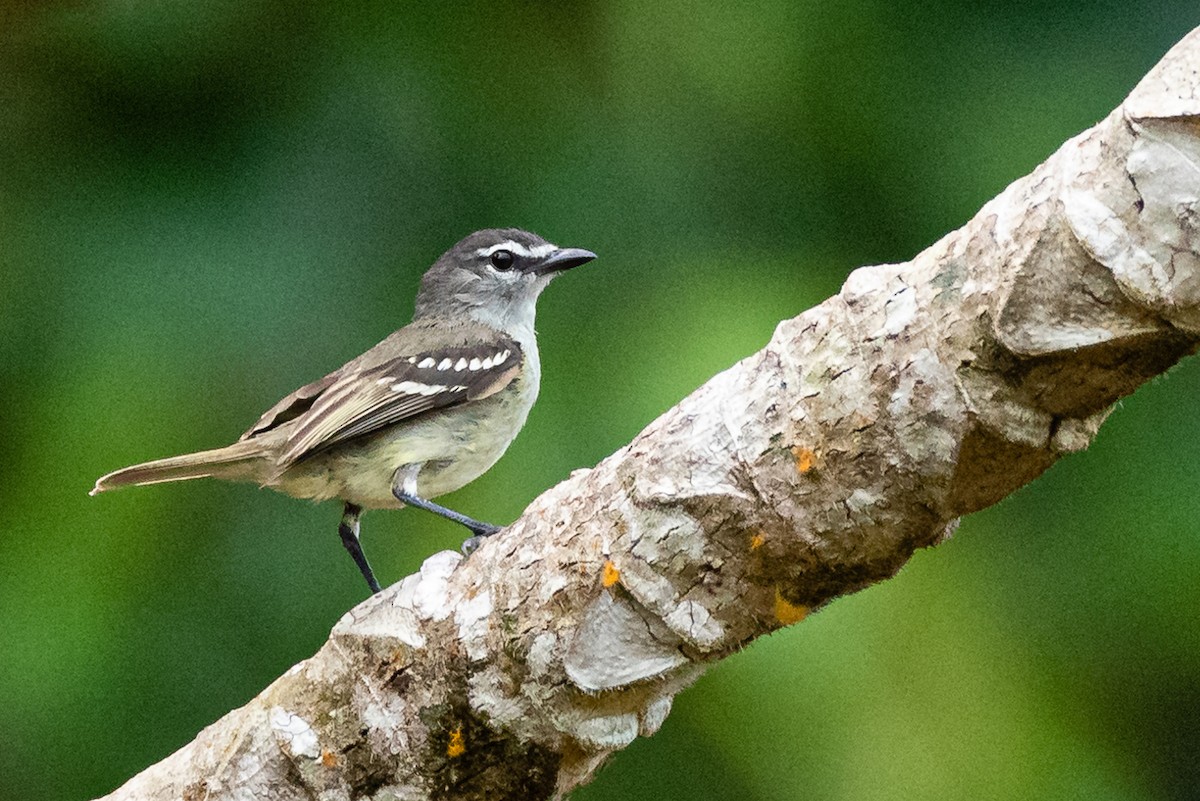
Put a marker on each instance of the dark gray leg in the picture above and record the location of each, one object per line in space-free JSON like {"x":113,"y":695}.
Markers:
{"x":477,"y":527}
{"x":348,"y":528}
{"x":403,"y":487}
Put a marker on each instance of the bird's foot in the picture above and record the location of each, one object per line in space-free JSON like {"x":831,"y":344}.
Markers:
{"x":482,"y":531}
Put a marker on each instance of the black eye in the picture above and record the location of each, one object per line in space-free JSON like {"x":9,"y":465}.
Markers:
{"x":503,"y":260}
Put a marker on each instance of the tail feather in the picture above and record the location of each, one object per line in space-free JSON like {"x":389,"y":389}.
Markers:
{"x":236,"y":462}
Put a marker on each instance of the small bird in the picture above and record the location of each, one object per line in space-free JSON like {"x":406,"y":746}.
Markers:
{"x":426,"y":411}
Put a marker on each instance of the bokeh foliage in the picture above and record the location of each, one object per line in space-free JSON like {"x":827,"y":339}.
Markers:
{"x":204,"y":204}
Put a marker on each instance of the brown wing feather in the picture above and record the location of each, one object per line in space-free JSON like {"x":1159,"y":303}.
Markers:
{"x":367,"y":400}
{"x":290,"y":407}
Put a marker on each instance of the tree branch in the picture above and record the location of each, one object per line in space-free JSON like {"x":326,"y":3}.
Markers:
{"x":814,"y":468}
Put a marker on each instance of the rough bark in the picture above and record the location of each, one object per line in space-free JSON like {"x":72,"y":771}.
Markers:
{"x":814,"y":468}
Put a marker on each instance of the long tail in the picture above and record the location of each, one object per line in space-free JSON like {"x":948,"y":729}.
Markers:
{"x":239,"y":461}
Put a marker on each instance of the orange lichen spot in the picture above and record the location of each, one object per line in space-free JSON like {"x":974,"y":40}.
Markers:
{"x":457,"y":745}
{"x":787,"y":612}
{"x":329,"y":759}
{"x":757,"y":541}
{"x":611,"y":575}
{"x":805,"y":459}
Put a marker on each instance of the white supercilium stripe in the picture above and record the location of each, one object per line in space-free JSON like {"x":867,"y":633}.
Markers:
{"x":537,"y":251}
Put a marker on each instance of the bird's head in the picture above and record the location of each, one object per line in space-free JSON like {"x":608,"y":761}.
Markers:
{"x":494,"y":276}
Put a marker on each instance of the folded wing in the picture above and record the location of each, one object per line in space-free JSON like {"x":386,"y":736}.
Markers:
{"x":363,"y":400}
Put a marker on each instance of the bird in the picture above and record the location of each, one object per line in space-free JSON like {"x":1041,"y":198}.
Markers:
{"x":424,"y":412}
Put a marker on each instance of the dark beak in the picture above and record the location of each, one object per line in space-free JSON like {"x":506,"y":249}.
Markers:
{"x":563,"y":259}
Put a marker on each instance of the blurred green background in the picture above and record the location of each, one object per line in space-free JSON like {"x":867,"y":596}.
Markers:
{"x":205,"y":204}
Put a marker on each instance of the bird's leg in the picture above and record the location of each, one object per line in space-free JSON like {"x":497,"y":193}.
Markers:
{"x":348,"y":528}
{"x":404,"y":487}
